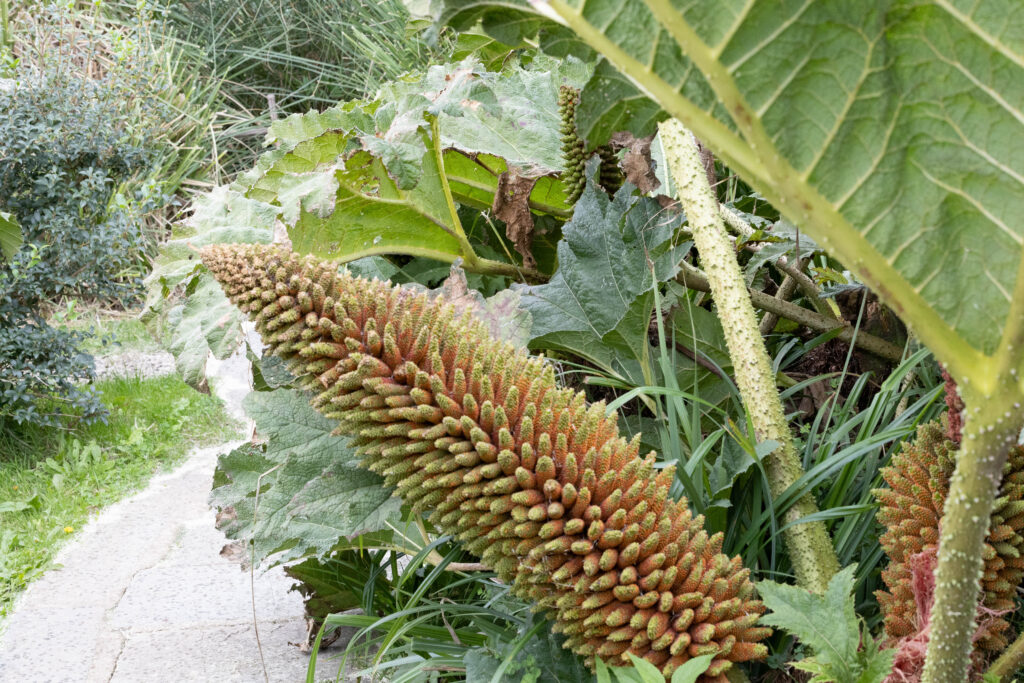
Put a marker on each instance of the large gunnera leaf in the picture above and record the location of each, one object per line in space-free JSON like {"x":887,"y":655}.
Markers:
{"x":892,"y":132}
{"x":374,"y":177}
{"x":185,"y":308}
{"x":311,"y":491}
{"x":598,"y":303}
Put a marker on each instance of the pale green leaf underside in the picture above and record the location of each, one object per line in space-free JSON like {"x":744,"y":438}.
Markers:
{"x":907,"y":117}
{"x":312,"y":492}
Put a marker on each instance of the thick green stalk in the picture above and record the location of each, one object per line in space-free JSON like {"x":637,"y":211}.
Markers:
{"x":991,"y":427}
{"x":810,"y":548}
{"x":1011,"y":661}
{"x":993,"y":419}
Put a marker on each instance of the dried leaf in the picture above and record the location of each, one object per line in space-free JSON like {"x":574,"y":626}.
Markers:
{"x":637,"y":164}
{"x":512,"y":205}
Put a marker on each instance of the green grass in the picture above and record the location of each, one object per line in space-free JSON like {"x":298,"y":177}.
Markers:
{"x":111,"y":331}
{"x":51,"y":482}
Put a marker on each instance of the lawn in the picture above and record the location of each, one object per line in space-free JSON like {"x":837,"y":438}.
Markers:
{"x":51,"y":482}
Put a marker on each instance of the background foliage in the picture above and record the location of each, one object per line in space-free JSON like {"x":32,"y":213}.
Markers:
{"x":76,"y":124}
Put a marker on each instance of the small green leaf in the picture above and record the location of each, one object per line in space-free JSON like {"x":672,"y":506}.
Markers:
{"x":691,"y":670}
{"x":10,"y":235}
{"x":648,"y":672}
{"x":827,"y":624}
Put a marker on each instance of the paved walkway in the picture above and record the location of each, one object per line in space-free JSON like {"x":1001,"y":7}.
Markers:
{"x":142,"y":594}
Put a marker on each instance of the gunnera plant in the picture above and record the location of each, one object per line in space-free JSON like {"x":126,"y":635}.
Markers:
{"x":526,"y":474}
{"x":918,"y":479}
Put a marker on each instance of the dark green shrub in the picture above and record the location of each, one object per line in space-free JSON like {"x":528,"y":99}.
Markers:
{"x":75,"y":126}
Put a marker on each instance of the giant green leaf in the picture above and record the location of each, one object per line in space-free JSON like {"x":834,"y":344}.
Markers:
{"x":892,"y":133}
{"x":381,"y":177}
{"x":373,"y":215}
{"x":311,"y":491}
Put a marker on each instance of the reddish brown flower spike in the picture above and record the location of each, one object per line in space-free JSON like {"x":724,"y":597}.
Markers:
{"x":910,"y":509}
{"x":527,"y":475}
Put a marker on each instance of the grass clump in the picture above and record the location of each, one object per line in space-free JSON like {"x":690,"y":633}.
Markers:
{"x":108,"y":330}
{"x":50,"y":482}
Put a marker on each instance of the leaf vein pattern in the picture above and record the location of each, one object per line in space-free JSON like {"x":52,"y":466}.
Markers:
{"x":716,"y":50}
{"x":973,"y":201}
{"x":840,"y":118}
{"x":770,"y":38}
{"x":968,"y":21}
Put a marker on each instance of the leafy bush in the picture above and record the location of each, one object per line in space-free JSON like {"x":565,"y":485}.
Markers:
{"x":74,"y":127}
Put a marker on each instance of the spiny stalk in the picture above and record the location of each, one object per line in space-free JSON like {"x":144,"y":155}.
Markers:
{"x":911,"y":508}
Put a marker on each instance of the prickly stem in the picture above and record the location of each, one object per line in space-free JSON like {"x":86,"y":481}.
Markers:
{"x":810,"y":548}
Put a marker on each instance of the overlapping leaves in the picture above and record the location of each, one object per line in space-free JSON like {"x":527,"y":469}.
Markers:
{"x":895,"y":137}
{"x":598,"y":304}
{"x":379,"y":177}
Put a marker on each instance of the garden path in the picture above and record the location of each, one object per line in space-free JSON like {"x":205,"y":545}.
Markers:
{"x":142,"y":595}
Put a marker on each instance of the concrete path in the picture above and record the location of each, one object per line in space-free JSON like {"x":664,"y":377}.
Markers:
{"x":142,"y":594}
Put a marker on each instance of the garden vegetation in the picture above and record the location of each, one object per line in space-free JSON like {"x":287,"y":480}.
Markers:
{"x":607,"y":340}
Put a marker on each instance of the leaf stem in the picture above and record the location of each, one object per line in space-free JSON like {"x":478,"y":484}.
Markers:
{"x":810,"y":548}
{"x":469,"y":256}
{"x":991,"y":427}
{"x":695,"y":279}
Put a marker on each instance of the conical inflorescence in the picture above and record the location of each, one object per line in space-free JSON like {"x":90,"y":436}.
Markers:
{"x":574,"y":151}
{"x":526,"y":474}
{"x":918,"y":479}
{"x":573,"y":148}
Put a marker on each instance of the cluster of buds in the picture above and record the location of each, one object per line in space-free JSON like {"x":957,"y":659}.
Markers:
{"x":611,"y":175}
{"x":573,"y":147}
{"x":575,"y":155}
{"x":526,"y":474}
{"x":918,"y":479}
